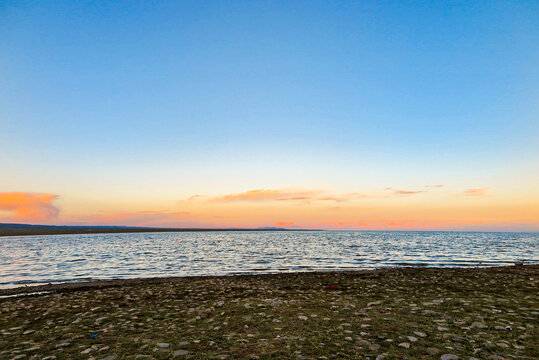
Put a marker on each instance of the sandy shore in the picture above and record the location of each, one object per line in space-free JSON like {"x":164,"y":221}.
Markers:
{"x":488,"y":313}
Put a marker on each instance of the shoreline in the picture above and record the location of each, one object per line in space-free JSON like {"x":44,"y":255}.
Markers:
{"x":21,"y":289}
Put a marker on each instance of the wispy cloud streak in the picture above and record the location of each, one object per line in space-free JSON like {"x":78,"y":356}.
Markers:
{"x":478,"y":192}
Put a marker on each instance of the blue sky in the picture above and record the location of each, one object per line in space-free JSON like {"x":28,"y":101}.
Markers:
{"x":121,"y":97}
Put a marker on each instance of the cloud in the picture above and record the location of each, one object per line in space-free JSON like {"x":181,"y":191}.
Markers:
{"x":28,"y":206}
{"x":407,"y":192}
{"x":435,"y":186}
{"x":404,"y":192}
{"x":287,"y":195}
{"x":195,"y":197}
{"x":284,"y":223}
{"x":333,"y":198}
{"x":479,"y":192}
{"x":269,"y":195}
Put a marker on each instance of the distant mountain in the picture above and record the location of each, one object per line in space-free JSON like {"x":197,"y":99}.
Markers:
{"x":27,"y":229}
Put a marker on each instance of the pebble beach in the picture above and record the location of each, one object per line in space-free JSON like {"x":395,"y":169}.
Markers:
{"x":406,"y":313}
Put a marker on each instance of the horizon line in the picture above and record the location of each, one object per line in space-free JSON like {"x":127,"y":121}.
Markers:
{"x":24,"y":229}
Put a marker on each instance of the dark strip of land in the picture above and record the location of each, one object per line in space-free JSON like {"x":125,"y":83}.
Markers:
{"x":407,"y":313}
{"x":26,"y":229}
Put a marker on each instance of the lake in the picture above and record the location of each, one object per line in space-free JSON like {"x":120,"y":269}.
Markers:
{"x":63,"y":258}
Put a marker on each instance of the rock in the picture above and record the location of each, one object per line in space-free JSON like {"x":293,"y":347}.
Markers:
{"x":51,"y":357}
{"x":183,"y":343}
{"x":163,"y":345}
{"x":479,"y":325}
{"x":374,"y":347}
{"x":412,"y":338}
{"x":374,"y":303}
{"x":303,"y":317}
{"x":348,"y":338}
{"x":33,"y":348}
{"x":380,"y":357}
{"x":432,"y":350}
{"x":140,"y":356}
{"x":110,"y":357}
{"x":420,"y":334}
{"x":87,"y":351}
{"x":405,"y":345}
{"x":180,"y":353}
{"x":449,"y":357}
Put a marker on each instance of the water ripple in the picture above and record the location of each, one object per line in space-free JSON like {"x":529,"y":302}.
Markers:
{"x":60,"y":258}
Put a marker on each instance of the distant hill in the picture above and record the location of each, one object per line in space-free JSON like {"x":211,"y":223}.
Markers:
{"x":27,"y":229}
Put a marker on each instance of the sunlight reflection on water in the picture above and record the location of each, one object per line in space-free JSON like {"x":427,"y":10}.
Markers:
{"x":60,"y":258}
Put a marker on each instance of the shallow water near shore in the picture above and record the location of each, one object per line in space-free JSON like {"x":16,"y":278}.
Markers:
{"x":77,"y":257}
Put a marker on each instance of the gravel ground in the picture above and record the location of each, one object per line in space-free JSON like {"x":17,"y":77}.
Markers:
{"x":411,"y":313}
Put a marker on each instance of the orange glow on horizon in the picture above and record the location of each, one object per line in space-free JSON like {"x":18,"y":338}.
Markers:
{"x":389,"y":209}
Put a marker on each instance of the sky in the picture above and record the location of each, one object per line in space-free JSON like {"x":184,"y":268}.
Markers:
{"x":371,"y":115}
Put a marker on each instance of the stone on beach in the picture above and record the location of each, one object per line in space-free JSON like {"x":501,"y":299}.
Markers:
{"x":449,"y":357}
{"x":180,"y":353}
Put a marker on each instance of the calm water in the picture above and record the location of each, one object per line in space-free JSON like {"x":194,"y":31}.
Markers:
{"x":60,"y":258}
